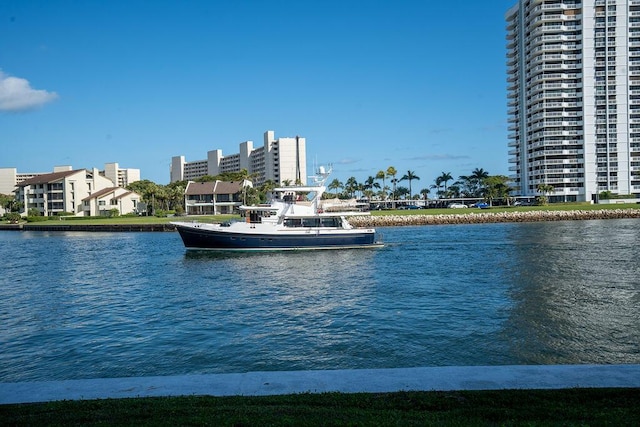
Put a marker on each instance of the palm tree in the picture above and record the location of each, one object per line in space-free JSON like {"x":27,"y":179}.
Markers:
{"x":410,"y":176}
{"x":351,"y":186}
{"x":478,"y":176}
{"x":403,"y":192}
{"x":425,"y":192}
{"x":437,"y":186}
{"x":335,"y":185}
{"x":545,"y":189}
{"x":370,"y":183}
{"x":381,"y":175}
{"x":444,"y":178}
{"x":391,"y":173}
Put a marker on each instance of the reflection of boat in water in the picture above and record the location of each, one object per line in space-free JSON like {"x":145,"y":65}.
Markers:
{"x":290,"y":221}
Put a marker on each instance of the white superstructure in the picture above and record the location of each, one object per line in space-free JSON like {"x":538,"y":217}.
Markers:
{"x":573,"y":73}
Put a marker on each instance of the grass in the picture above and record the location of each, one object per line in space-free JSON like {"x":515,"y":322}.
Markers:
{"x":222,"y":218}
{"x":616,"y":407}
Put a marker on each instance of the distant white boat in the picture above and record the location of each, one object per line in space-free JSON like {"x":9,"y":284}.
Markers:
{"x":296,"y":218}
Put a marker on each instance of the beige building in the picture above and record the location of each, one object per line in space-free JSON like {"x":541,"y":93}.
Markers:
{"x":102,"y":202}
{"x":10,"y":177}
{"x":278,"y":160}
{"x":71,"y":192}
{"x":120,"y":177}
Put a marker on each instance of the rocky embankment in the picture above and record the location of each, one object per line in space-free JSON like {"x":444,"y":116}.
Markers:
{"x":487,"y":217}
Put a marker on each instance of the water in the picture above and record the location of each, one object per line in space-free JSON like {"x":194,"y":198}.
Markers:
{"x":89,"y":305}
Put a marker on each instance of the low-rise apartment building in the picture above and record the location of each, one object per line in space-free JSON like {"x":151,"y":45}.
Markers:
{"x":10,"y":177}
{"x":72,"y":192}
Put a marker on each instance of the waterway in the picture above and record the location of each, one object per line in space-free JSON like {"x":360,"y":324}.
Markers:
{"x":91,"y":304}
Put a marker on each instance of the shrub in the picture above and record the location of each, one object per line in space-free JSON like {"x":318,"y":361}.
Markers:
{"x":13,"y":217}
{"x":541,"y":201}
{"x":605,"y":195}
{"x":37,"y":218}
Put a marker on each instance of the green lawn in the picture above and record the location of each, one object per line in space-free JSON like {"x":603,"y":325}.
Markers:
{"x":221,"y":218}
{"x":579,"y":407}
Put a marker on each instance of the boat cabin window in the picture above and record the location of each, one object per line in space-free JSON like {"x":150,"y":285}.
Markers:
{"x":331,"y":222}
{"x":293,"y":222}
{"x":254,"y":217}
{"x":313,"y":222}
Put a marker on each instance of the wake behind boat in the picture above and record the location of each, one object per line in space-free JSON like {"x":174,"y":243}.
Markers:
{"x":288,"y":222}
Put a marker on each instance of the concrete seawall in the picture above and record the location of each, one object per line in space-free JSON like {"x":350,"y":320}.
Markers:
{"x":88,"y":227}
{"x":491,"y":217}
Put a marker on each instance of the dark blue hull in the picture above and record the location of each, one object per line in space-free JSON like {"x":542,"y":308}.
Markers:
{"x":198,"y":238}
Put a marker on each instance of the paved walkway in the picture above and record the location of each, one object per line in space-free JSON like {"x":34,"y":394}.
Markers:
{"x":346,"y":381}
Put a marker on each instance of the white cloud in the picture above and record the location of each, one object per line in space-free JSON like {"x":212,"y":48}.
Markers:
{"x":16,"y":94}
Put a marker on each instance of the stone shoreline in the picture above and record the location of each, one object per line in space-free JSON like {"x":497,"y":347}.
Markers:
{"x":489,"y":217}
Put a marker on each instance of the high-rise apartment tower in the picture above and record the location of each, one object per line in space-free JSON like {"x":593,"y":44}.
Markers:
{"x":573,"y":76}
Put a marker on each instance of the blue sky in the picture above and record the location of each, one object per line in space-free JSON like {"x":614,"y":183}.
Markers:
{"x":418,"y":85}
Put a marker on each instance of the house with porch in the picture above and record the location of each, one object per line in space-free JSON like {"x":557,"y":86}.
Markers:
{"x":102,"y":202}
{"x":214,"y":197}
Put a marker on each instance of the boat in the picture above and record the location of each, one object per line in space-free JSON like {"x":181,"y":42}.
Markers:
{"x":295,"y":218}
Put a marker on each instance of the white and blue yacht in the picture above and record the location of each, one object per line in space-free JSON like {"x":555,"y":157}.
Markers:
{"x":296,"y":218}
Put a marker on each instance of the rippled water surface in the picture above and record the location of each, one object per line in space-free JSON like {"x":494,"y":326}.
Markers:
{"x":89,"y":305}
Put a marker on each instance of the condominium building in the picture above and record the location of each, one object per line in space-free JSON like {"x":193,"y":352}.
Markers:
{"x":120,"y":177}
{"x":78,"y":192}
{"x":10,"y":178}
{"x":278,"y":160}
{"x":573,"y":73}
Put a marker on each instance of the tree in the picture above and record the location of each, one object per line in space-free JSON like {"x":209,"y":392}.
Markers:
{"x":370,"y":183}
{"x":175,"y":195}
{"x":250,"y":195}
{"x":265,"y":188}
{"x":545,"y":190}
{"x":403,"y":192}
{"x":391,"y":173}
{"x":496,"y":186}
{"x":382,"y":175}
{"x":425,"y":193}
{"x":410,"y":176}
{"x":454,"y":190}
{"x":8,"y":202}
{"x":478,"y":176}
{"x":351,"y":186}
{"x":444,"y":178}
{"x":335,"y":185}
{"x":148,"y":191}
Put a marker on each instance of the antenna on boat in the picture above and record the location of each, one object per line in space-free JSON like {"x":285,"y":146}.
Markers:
{"x":321,"y":175}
